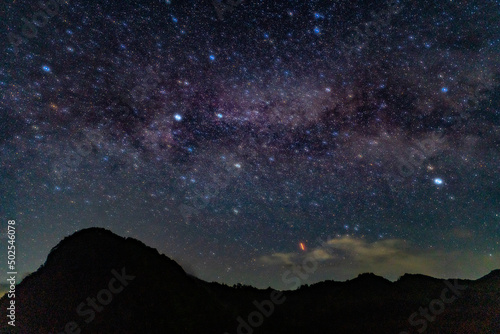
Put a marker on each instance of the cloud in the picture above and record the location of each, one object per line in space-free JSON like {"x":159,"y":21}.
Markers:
{"x":357,"y":249}
{"x":384,"y":257}
{"x":278,"y":258}
{"x":346,"y":257}
{"x":321,"y":254}
{"x":361,"y":248}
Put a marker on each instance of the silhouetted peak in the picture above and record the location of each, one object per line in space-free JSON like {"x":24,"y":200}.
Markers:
{"x":493,"y":275}
{"x":93,"y":233}
{"x":415,"y":277}
{"x":102,"y":245}
{"x":369,"y":279}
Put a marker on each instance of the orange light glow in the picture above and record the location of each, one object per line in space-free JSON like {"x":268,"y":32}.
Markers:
{"x":302,"y":246}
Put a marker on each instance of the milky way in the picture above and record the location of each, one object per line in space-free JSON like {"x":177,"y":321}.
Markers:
{"x":227,"y":135}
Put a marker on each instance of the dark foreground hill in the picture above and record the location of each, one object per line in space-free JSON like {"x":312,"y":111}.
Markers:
{"x":97,"y":282}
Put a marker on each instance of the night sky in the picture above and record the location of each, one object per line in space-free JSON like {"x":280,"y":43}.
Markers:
{"x":229,"y":137}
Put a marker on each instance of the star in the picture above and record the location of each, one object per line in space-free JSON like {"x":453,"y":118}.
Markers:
{"x":438,"y":181}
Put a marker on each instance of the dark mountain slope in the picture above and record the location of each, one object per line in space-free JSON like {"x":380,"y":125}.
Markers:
{"x":160,"y":296}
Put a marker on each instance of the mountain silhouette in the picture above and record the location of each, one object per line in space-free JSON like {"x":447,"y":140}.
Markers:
{"x":97,"y":282}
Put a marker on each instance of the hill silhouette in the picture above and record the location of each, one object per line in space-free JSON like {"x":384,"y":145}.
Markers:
{"x":97,"y":282}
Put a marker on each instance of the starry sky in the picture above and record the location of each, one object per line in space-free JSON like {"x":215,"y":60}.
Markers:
{"x":240,"y":138}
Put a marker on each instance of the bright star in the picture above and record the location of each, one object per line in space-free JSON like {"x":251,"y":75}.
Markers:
{"x":438,"y":181}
